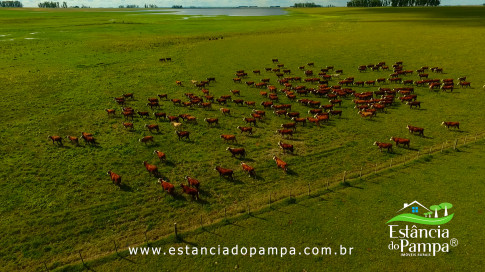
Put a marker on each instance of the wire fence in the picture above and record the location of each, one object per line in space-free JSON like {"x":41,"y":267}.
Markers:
{"x":315,"y":188}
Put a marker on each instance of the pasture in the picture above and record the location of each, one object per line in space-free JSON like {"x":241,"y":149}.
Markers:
{"x":61,"y":70}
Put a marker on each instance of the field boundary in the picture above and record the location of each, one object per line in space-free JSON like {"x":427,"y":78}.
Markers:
{"x":175,"y":232}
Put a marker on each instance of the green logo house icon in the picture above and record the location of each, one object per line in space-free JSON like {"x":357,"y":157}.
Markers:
{"x":435,"y":215}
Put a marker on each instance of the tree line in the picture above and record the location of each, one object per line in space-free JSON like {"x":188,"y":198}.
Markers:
{"x":306,"y":5}
{"x":10,"y":4}
{"x":392,"y":3}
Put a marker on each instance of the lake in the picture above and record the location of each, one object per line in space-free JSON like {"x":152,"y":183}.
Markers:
{"x":226,"y":11}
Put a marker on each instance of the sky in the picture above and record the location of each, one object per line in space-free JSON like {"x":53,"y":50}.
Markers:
{"x":216,"y":3}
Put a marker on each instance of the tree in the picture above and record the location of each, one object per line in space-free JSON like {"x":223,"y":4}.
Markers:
{"x":446,"y":206}
{"x":436,"y":208}
{"x":10,"y":4}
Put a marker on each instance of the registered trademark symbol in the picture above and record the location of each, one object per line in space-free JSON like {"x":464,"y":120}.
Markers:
{"x":454,"y":242}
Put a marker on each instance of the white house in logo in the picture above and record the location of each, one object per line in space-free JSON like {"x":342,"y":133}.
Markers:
{"x":414,"y":207}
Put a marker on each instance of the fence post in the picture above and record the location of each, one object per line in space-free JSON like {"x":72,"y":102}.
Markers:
{"x":82,"y":260}
{"x":116,"y":247}
{"x":390,"y":164}
{"x":360,"y":174}
{"x":465,"y":139}
{"x":456,"y":142}
{"x":476,"y":136}
{"x":442,"y":145}
{"x":175,"y":229}
{"x":430,"y":151}
{"x":418,"y":155}
{"x":345,"y":173}
{"x":225,"y":212}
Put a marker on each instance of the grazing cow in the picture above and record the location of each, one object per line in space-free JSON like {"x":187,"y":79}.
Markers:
{"x":160,"y":155}
{"x":146,"y":139}
{"x":111,"y":112}
{"x":414,"y":104}
{"x":250,"y":103}
{"x":237,"y":151}
{"x":293,"y":114}
{"x":178,"y":82}
{"x":451,"y":124}
{"x":159,"y":115}
{"x":275,"y":60}
{"x":152,"y":169}
{"x":238,"y":101}
{"x":314,"y":120}
{"x":336,"y":101}
{"x":88,"y":138}
{"x":280,"y":112}
{"x":322,"y":117}
{"x":236,"y":92}
{"x":163,"y":96}
{"x":225,"y":111}
{"x":366,"y":114}
{"x":464,"y":84}
{"x":289,"y":126}
{"x":144,"y":114}
{"x":285,"y":147}
{"x":73,"y":140}
{"x":167,"y":187}
{"x":211,"y":121}
{"x":194,"y":193}
{"x":224,"y":172}
{"x":229,"y":137}
{"x":237,"y":79}
{"x":246,"y":129}
{"x":173,"y":118}
{"x":250,"y":120}
{"x":267,"y":104}
{"x":192,"y":182}
{"x":335,"y":112}
{"x":56,"y":139}
{"x":259,"y":112}
{"x":115,"y":178}
{"x":128,"y":114}
{"x":248,"y":169}
{"x":299,"y":120}
{"x":128,"y":95}
{"x":128,"y":125}
{"x":280,"y":164}
{"x":152,"y":127}
{"x":284,"y":132}
{"x":413,"y":129}
{"x":402,"y":141}
{"x":381,"y":146}
{"x":182,"y":134}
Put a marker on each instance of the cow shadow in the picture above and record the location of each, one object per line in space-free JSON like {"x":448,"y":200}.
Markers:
{"x":244,"y":159}
{"x":291,"y":172}
{"x":168,"y":163}
{"x":125,"y":187}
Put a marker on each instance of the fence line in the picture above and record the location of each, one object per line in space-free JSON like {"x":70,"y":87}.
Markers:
{"x":248,"y":207}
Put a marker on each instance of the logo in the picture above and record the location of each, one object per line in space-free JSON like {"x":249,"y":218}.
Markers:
{"x":427,"y":240}
{"x":431,"y":215}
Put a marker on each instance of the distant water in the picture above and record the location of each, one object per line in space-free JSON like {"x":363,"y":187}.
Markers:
{"x":226,"y":11}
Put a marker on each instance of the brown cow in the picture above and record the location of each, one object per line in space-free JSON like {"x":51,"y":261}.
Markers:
{"x":160,"y":155}
{"x":284,"y":132}
{"x":152,"y":127}
{"x":194,"y":193}
{"x":451,"y":124}
{"x":285,"y":147}
{"x":248,"y":169}
{"x":402,"y":141}
{"x":211,"y":121}
{"x":167,"y":187}
{"x":224,"y":172}
{"x":115,"y":178}
{"x":280,"y":163}
{"x":182,"y":134}
{"x":229,"y":137}
{"x":73,"y":140}
{"x":56,"y":139}
{"x":237,"y":151}
{"x":246,"y":129}
{"x":152,"y":169}
{"x":413,"y":129}
{"x":192,"y":182}
{"x":381,"y":146}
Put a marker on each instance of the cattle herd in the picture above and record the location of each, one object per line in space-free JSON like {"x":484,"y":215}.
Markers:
{"x":321,"y":91}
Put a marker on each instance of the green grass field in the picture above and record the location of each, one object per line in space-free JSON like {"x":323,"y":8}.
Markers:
{"x":61,"y":70}
{"x":352,"y":217}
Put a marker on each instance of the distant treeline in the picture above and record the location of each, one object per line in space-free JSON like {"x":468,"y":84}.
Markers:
{"x":392,"y":3}
{"x":306,"y":5}
{"x":48,"y":4}
{"x":10,"y":4}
